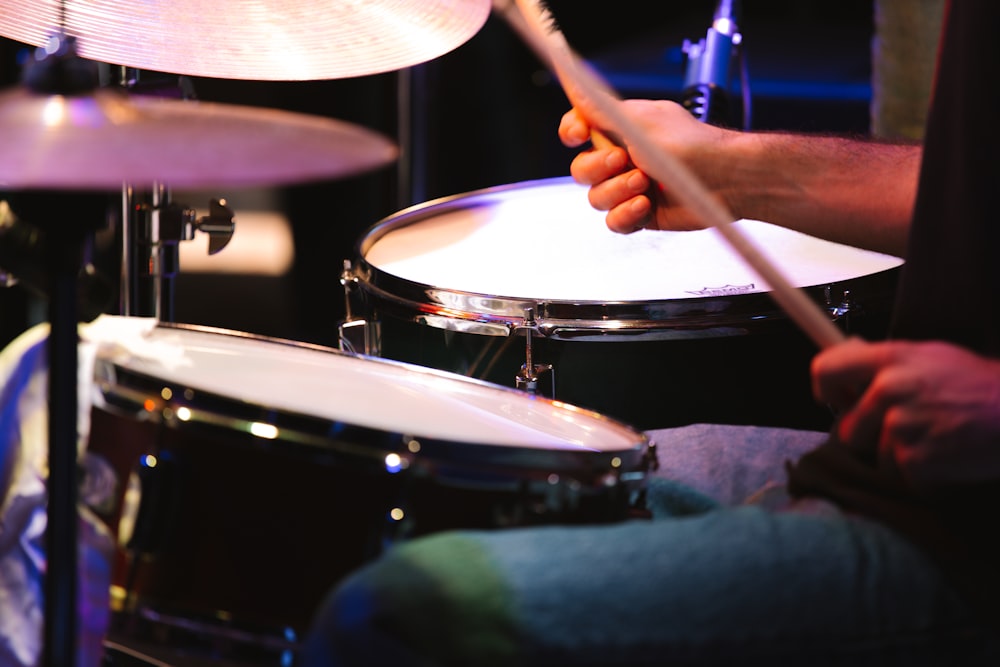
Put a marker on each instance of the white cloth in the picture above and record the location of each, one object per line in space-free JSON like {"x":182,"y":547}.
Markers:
{"x":23,"y":457}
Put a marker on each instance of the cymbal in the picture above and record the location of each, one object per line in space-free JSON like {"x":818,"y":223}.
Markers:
{"x":105,"y":138}
{"x":281,"y":40}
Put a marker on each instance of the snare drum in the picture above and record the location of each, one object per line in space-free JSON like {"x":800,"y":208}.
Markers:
{"x":255,"y":473}
{"x":654,"y":328}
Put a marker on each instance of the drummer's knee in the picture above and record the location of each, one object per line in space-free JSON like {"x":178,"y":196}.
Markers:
{"x":437,"y":599}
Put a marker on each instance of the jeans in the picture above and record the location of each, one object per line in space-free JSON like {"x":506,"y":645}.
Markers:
{"x":728,"y":572}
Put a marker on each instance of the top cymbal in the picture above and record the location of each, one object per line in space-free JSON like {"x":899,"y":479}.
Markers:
{"x":99,"y":141}
{"x":278,"y":40}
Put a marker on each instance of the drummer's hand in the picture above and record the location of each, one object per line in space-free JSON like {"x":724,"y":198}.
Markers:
{"x":931,"y":409}
{"x":622,"y":188}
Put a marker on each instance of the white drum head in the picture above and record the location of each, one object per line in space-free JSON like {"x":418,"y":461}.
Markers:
{"x":542,"y":240}
{"x":361,"y":391}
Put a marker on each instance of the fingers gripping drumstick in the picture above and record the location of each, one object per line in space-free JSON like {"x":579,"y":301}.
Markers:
{"x":595,"y":99}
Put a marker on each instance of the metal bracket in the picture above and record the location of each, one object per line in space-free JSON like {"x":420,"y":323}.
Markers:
{"x":356,"y":334}
{"x":527,"y":378}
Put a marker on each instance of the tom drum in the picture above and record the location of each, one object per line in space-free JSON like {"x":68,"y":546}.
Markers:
{"x":254,"y":473}
{"x":654,"y":328}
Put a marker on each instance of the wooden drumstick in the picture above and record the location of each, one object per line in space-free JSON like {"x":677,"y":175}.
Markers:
{"x":587,"y":91}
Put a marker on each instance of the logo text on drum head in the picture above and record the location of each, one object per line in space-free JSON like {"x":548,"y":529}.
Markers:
{"x":725,"y":290}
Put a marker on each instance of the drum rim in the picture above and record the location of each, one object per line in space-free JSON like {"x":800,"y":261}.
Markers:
{"x":561,"y":319}
{"x":140,"y":395}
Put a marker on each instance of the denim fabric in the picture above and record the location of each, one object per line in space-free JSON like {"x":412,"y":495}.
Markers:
{"x":723,"y":464}
{"x":711,"y":580}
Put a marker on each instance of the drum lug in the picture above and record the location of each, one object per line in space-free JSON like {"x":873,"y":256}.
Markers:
{"x":842,"y":311}
{"x":356,"y":335}
{"x":359,"y":337}
{"x":527,"y":378}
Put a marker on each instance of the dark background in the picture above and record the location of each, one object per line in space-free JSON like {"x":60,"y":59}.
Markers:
{"x":485,"y":115}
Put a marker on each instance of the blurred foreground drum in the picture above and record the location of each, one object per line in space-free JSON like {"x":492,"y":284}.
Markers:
{"x":255,"y":473}
{"x":656,"y":329}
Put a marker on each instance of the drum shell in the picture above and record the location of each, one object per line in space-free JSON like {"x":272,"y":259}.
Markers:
{"x":756,"y":376}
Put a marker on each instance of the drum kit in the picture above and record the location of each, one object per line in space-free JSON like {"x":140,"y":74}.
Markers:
{"x":250,"y":474}
{"x":220,"y":412}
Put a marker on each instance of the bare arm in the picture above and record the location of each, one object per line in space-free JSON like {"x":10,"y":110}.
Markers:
{"x":850,"y":191}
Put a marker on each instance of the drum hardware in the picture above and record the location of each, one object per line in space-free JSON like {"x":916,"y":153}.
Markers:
{"x":363,"y":335}
{"x":356,"y":335}
{"x":153,"y":227}
{"x":58,"y":71}
{"x":61,"y":534}
{"x":527,"y":377}
{"x":62,"y":271}
{"x":842,"y":311}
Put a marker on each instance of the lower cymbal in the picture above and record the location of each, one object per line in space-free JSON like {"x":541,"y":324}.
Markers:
{"x":101,"y":140}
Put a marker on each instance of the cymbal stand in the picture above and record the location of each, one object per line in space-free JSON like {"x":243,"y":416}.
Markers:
{"x":64,"y":262}
{"x":152,"y":227}
{"x":148,"y":264}
{"x":412,"y":121}
{"x":47,"y":256}
{"x":61,"y":72}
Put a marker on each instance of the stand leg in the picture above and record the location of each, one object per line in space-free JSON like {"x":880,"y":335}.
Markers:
{"x":61,"y":532}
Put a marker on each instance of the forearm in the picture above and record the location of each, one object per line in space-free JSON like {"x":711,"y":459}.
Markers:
{"x":849,"y":191}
